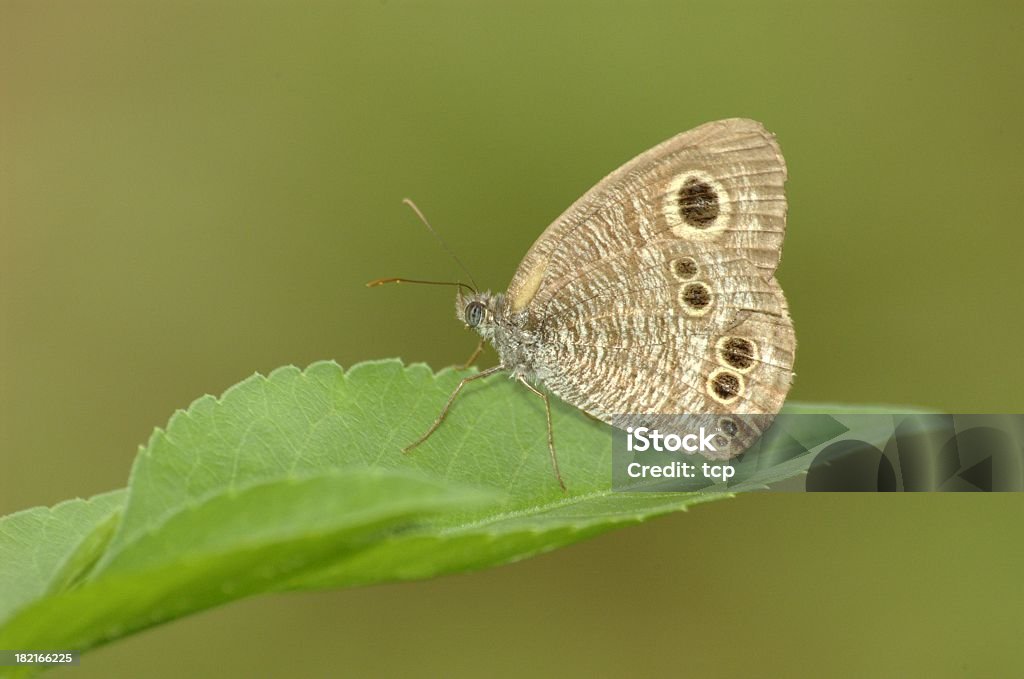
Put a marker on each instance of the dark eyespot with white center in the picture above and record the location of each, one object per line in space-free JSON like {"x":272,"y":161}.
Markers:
{"x":698,"y":203}
{"x":739,"y":353}
{"x":475,"y":312}
{"x":728,"y":426}
{"x":695,"y":298}
{"x":725,"y":386}
{"x":683,"y":268}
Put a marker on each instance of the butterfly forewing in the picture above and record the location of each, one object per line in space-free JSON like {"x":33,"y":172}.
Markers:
{"x":639,"y":202}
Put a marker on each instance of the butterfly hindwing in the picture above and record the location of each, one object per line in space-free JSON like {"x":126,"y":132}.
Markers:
{"x":653,"y":341}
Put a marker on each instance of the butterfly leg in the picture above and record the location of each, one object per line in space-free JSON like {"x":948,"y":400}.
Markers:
{"x":472,"y":358}
{"x":551,"y":436}
{"x":451,"y":399}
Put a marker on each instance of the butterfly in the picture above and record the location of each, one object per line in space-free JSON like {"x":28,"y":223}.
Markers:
{"x":654,"y":294}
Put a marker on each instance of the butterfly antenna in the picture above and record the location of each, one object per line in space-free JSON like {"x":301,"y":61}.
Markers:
{"x":384,"y":281}
{"x":440,"y":240}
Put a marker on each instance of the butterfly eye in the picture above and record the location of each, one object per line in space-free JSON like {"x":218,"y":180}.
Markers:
{"x":474,"y":314}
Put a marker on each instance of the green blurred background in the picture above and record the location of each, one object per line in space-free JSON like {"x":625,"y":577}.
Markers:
{"x":194,"y":191}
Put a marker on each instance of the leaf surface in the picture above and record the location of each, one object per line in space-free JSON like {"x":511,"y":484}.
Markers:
{"x":297,"y":481}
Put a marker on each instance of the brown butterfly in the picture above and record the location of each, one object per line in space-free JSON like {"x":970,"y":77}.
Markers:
{"x":654,"y":294}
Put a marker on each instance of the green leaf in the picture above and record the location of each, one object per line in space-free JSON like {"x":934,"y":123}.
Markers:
{"x":297,"y":481}
{"x":43,"y":550}
{"x":232,"y":545}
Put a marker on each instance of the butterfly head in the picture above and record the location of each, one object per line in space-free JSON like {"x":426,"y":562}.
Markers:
{"x":476,"y":310}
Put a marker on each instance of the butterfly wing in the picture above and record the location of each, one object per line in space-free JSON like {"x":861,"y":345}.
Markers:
{"x":640,"y":201}
{"x":654,"y":293}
